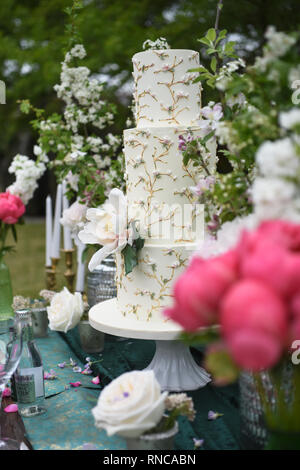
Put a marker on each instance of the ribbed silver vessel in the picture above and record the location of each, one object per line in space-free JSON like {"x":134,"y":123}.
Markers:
{"x":101,"y":283}
{"x":253,"y":430}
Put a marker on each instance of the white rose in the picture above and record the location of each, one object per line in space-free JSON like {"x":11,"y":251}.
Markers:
{"x":65,"y":310}
{"x":130,"y":405}
{"x":74,"y":215}
{"x":107,"y":226}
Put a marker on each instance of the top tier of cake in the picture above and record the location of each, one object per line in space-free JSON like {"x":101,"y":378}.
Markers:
{"x":165,"y":94}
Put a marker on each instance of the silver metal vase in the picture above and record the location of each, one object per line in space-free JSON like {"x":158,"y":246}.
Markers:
{"x":101,"y":283}
{"x":101,"y":286}
{"x":156,"y":441}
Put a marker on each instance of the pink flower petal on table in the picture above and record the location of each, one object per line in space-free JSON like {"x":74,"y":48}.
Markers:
{"x":13,"y":408}
{"x":75,"y":384}
{"x":6,"y":392}
{"x":96,"y":380}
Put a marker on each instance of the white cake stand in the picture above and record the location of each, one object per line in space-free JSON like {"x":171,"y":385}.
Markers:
{"x":173,"y":363}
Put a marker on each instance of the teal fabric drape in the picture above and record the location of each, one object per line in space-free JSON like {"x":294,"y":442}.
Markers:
{"x":69,"y":424}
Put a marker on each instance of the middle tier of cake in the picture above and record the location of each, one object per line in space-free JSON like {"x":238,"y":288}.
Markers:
{"x":143,"y":293}
{"x":158,"y":184}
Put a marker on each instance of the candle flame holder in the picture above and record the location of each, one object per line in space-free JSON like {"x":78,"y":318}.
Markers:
{"x":69,"y":273}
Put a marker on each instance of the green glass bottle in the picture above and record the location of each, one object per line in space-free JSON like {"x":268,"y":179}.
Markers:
{"x":6,"y":295}
{"x":29,"y":376}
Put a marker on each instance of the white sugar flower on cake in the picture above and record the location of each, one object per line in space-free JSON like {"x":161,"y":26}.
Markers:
{"x":107,"y":226}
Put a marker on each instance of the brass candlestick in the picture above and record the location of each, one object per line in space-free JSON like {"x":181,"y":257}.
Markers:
{"x":51,"y":273}
{"x":50,"y":278}
{"x":54,"y":262}
{"x":69,"y":273}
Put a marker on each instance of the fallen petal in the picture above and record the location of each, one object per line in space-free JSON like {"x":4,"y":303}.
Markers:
{"x":75,"y":384}
{"x":96,"y":380}
{"x":11,"y":408}
{"x":213,"y":415}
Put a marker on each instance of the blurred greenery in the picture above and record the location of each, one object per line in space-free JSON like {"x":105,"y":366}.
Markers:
{"x":27,"y":263}
{"x":32,"y":36}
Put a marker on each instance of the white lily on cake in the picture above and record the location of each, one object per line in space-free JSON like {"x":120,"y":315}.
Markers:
{"x":107,"y":226}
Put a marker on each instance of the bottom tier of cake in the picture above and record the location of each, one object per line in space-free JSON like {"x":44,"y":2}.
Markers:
{"x":143,"y":293}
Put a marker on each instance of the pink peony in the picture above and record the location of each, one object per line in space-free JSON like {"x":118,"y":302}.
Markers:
{"x":265,"y":260}
{"x":254,"y":324}
{"x":294,"y":330}
{"x":11,"y":208}
{"x":254,"y":350}
{"x":271,"y":254}
{"x":286,"y":234}
{"x":199,"y":289}
{"x":295,"y":306}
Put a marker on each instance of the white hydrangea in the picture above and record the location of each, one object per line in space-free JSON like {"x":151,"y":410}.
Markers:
{"x":160,"y":43}
{"x":278,"y":44}
{"x":226,"y":71}
{"x":227,"y":236}
{"x":294,"y":74}
{"x":290,"y":119}
{"x":272,"y":197}
{"x":27,"y":173}
{"x":278,"y":158}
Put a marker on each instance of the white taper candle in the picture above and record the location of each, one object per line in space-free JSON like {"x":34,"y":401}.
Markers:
{"x":67,"y":232}
{"x":55,"y":252}
{"x":48,"y":230}
{"x":80,"y":266}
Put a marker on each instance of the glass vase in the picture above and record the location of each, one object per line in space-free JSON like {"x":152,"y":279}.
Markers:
{"x":279,"y":391}
{"x":91,"y":340}
{"x":253,"y":429}
{"x":154,"y":441}
{"x":6,"y":295}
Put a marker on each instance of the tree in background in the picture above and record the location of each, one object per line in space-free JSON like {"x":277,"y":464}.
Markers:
{"x":32,"y":40}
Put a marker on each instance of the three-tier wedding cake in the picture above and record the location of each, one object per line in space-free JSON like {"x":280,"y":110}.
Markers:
{"x":160,"y":201}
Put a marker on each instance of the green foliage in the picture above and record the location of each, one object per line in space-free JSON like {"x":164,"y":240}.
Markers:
{"x":220,"y":364}
{"x":131,"y":252}
{"x":201,"y":337}
{"x":32,"y":35}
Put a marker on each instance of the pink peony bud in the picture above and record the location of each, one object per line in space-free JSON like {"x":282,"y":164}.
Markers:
{"x":295,"y":306}
{"x":253,"y":304}
{"x":251,"y":313}
{"x":265,"y":260}
{"x":199,"y":289}
{"x":286,"y":234}
{"x":253,"y":349}
{"x":11,"y":208}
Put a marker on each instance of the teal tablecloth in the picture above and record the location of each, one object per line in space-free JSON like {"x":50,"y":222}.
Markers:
{"x":68,"y":423}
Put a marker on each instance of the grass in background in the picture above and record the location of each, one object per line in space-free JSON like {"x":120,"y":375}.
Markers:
{"x":27,"y":264}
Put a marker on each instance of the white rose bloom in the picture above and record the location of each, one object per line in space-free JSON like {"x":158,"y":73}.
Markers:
{"x":289,"y":119}
{"x":74,"y":215}
{"x":65,"y":310}
{"x":278,"y":158}
{"x":130,"y":405}
{"x":107,"y":226}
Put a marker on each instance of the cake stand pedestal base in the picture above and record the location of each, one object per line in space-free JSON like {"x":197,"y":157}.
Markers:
{"x":175,"y":368}
{"x":173,"y":364}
